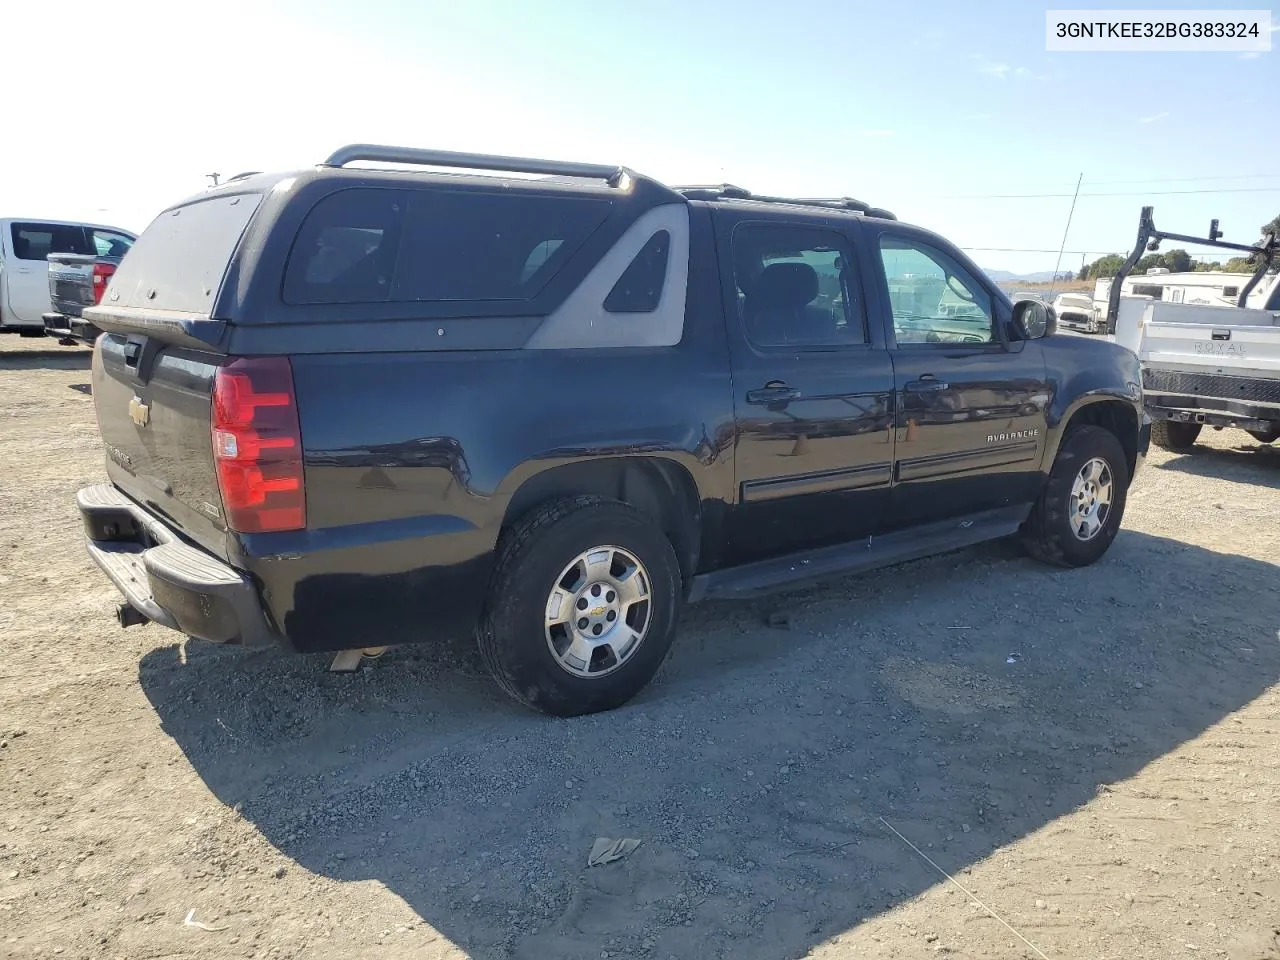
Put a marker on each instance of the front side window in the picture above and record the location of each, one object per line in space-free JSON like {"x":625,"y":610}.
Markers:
{"x":796,"y":286}
{"x":933,"y":298}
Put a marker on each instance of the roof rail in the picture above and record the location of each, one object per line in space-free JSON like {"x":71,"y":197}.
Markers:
{"x":727,"y":191}
{"x":613,"y":175}
{"x":716,"y":191}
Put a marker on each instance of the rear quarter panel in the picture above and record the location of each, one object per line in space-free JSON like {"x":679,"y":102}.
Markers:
{"x":413,"y":458}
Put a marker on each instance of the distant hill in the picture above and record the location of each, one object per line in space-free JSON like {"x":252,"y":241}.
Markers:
{"x":1001,"y":276}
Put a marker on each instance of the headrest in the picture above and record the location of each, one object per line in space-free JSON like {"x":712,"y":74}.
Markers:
{"x":785,"y":286}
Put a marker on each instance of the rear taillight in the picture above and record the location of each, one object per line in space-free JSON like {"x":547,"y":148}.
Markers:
{"x":102,"y":273}
{"x":257,"y":446}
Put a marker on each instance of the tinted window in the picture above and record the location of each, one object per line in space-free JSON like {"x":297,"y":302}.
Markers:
{"x":346,"y":249}
{"x":108,"y":243}
{"x":639,"y":289}
{"x":179,"y":261}
{"x":35,"y":241}
{"x":796,"y":286}
{"x":933,"y":298}
{"x":538,"y":257}
{"x":368,"y":244}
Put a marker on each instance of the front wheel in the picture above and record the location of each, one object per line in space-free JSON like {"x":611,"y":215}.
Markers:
{"x":1174,"y":435}
{"x":582,"y":606}
{"x":1080,"y":509}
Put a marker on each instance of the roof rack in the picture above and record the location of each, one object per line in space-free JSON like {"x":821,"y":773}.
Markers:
{"x":727,"y":191}
{"x":613,"y":175}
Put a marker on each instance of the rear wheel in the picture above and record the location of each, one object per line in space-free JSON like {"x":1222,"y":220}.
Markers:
{"x":1270,"y":435}
{"x":1174,"y":436}
{"x":582,"y":607}
{"x":1080,"y":509}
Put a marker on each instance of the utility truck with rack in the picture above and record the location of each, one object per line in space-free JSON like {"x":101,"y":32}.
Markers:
{"x":1205,"y":365}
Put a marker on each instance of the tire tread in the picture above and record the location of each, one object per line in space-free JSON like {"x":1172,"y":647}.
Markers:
{"x":1043,"y":531}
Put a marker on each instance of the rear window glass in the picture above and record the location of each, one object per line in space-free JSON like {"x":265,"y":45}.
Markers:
{"x":179,"y":261}
{"x":35,"y":241}
{"x":370,"y":244}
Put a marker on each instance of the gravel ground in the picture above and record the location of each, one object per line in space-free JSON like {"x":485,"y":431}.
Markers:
{"x":1093,"y":754}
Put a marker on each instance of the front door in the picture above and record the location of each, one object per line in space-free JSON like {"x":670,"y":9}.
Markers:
{"x":970,"y":400}
{"x":813,"y":389}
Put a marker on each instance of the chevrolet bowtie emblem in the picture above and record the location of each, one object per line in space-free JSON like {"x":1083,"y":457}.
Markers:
{"x":139,"y":411}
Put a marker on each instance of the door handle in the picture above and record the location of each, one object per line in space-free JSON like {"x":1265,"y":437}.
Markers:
{"x":926,"y":384}
{"x":775,"y":391}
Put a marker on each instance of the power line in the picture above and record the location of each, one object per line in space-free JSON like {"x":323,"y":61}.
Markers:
{"x":1234,"y":176}
{"x":1074,"y":253}
{"x":1062,"y":250}
{"x":1162,"y":180}
{"x":1130,"y":193}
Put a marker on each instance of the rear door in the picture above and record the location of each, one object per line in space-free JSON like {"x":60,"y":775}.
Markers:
{"x":27,"y":269}
{"x":152,"y":378}
{"x":970,"y":402}
{"x":813,"y":387}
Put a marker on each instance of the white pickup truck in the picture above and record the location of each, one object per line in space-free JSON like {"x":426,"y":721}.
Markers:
{"x":25,"y":246}
{"x":1203,"y":366}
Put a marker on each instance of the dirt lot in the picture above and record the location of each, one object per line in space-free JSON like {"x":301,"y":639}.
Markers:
{"x":1095,"y":755}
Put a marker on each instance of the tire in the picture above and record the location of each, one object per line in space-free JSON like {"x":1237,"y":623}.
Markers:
{"x":545,"y":552}
{"x":1174,"y":436}
{"x":1266,"y":436}
{"x":1050,"y":533}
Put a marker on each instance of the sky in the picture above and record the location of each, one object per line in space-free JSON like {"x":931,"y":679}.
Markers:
{"x":951,"y":115}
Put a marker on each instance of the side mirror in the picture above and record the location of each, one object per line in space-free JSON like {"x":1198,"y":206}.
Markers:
{"x":1035,"y":318}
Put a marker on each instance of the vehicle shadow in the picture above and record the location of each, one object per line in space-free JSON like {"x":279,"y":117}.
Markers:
{"x":45,"y":360}
{"x":967,"y":700}
{"x":1245,"y":462}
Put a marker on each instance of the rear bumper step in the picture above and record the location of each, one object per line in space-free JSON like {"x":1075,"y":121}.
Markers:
{"x":164,"y":578}
{"x":61,"y":325}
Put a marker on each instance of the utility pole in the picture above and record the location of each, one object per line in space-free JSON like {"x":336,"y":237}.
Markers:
{"x":214,"y":177}
{"x":1058,"y":266}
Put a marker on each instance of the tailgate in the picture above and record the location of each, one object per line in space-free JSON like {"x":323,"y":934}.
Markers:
{"x":153,"y":402}
{"x":1218,"y":348}
{"x":71,"y":282}
{"x":152,"y":380}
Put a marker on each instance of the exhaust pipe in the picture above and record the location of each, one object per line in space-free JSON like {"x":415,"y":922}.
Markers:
{"x":130,"y":616}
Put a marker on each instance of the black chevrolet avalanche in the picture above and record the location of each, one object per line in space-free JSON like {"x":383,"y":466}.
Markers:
{"x":548,"y":403}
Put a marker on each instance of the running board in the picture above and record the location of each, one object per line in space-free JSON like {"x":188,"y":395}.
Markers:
{"x":767,"y":576}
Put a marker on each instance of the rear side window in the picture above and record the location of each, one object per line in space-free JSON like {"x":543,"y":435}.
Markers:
{"x":796,"y":287}
{"x":346,"y":249}
{"x":35,"y":241}
{"x":108,"y":243}
{"x":639,"y":289}
{"x":179,"y":261}
{"x":369,"y":244}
